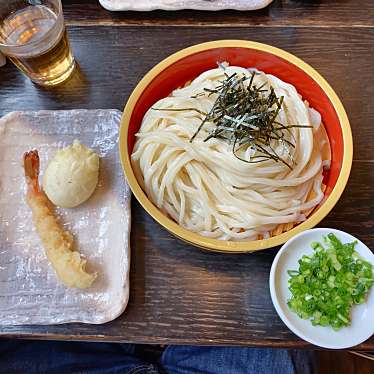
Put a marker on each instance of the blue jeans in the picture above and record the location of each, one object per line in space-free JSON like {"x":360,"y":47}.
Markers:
{"x":104,"y":358}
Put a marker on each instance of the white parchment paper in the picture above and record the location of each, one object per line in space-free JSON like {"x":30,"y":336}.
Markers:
{"x":30,"y":292}
{"x":146,"y":5}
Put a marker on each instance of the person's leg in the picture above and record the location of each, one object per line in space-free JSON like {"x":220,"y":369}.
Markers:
{"x":225,"y":360}
{"x":70,"y":357}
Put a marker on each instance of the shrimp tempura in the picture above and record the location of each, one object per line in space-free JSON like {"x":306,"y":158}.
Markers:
{"x":58,"y":244}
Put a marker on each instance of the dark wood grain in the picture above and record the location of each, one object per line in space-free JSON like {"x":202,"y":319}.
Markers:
{"x":280,"y":13}
{"x":180,"y":294}
{"x":330,"y":362}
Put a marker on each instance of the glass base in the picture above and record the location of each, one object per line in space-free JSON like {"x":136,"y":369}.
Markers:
{"x":60,"y":79}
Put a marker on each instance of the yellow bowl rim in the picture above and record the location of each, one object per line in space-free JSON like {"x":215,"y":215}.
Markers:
{"x":232,"y":246}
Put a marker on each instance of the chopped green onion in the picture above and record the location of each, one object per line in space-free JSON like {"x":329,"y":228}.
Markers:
{"x":329,"y":283}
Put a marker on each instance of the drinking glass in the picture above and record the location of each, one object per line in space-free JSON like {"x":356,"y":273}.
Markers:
{"x":33,"y":36}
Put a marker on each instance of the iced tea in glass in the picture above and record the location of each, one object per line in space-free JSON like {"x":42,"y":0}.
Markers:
{"x":33,"y":36}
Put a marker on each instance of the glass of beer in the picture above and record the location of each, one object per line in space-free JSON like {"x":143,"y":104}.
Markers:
{"x":33,"y":36}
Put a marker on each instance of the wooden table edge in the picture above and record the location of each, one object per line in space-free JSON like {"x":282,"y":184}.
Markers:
{"x":298,"y":344}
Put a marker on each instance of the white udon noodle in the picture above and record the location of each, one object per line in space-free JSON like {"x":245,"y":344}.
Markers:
{"x":204,"y":187}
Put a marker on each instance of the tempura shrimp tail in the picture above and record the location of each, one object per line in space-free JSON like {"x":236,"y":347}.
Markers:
{"x":58,"y":244}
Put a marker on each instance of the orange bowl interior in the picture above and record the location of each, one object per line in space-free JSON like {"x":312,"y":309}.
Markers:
{"x":188,"y":68}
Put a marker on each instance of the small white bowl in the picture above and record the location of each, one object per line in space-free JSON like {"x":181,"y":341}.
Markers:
{"x":362,"y":323}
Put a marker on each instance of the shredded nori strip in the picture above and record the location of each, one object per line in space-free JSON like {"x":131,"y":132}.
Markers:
{"x":245,"y":115}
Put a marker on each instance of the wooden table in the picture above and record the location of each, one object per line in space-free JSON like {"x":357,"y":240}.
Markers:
{"x":180,"y":294}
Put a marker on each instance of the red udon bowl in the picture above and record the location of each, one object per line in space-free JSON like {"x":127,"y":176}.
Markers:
{"x":180,"y":68}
